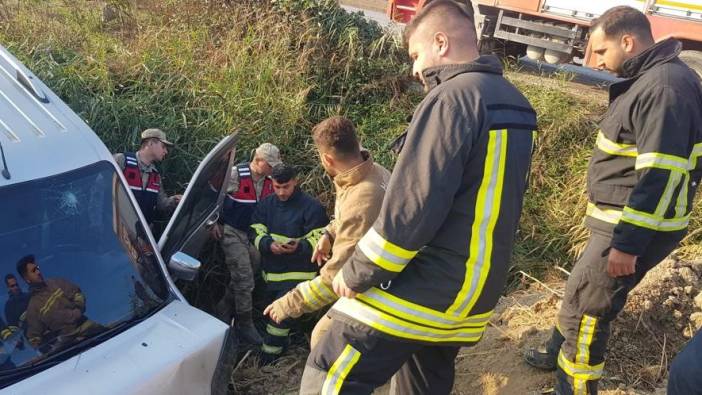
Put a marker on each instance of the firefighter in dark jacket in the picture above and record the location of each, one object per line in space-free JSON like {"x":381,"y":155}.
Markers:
{"x":16,"y":304}
{"x":285,"y":229}
{"x":642,"y":179}
{"x":249,"y":184}
{"x":142,"y":176}
{"x":424,"y":280}
{"x":56,"y":311}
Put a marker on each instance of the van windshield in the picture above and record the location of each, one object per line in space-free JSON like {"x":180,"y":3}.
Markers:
{"x":76,"y":265}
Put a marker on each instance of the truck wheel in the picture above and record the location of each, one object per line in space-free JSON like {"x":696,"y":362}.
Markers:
{"x":534,"y":52}
{"x":693,"y":59}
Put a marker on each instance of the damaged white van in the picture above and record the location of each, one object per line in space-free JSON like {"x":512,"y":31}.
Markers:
{"x":83,"y":274}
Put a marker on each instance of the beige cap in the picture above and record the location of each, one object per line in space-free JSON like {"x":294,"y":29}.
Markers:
{"x":270,"y":153}
{"x":154,"y":133}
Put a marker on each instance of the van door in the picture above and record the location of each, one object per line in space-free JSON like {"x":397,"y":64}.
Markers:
{"x":187,"y":231}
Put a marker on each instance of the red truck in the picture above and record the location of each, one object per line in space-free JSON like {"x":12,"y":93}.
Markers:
{"x":555,"y":31}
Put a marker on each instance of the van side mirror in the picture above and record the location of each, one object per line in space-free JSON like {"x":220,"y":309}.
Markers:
{"x":183,"y":266}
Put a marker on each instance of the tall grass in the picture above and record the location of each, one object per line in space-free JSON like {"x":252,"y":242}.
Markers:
{"x":272,"y":69}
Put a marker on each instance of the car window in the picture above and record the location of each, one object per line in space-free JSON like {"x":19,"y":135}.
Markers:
{"x":76,"y":262}
{"x":201,"y":202}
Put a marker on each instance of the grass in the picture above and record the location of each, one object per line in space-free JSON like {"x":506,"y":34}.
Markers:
{"x":271,"y":70}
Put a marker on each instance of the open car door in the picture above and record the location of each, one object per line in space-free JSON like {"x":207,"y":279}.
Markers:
{"x":201,"y":205}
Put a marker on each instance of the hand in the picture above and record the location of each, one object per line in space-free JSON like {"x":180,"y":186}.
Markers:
{"x":620,"y":263}
{"x":340,"y":288}
{"x":277,"y":248}
{"x":290,"y":247}
{"x":216,"y":232}
{"x":322,"y":250}
{"x":275,"y":313}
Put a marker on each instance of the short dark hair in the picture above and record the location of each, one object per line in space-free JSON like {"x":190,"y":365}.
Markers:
{"x":8,"y":276}
{"x":283,"y":173}
{"x":337,"y":135}
{"x":621,"y":20}
{"x":442,"y":9}
{"x":23,"y":263}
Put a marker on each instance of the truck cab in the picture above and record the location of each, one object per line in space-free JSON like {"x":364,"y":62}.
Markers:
{"x":101,"y":312}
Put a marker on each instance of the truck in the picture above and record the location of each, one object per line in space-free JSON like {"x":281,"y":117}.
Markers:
{"x":556,"y":31}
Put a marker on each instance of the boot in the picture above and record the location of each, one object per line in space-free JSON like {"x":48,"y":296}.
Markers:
{"x":223,"y":308}
{"x":247,"y":330}
{"x":546,"y":357}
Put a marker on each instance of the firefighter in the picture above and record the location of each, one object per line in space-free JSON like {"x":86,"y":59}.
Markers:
{"x":285,"y":228}
{"x":249,"y":184}
{"x":641,"y":181}
{"x":360,"y":186}
{"x":424,"y":280}
{"x":55,"y":315}
{"x":142,"y":176}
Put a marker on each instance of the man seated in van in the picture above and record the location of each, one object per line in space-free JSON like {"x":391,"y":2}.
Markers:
{"x":285,"y":229}
{"x":142,"y":176}
{"x":55,"y":314}
{"x":16,"y":304}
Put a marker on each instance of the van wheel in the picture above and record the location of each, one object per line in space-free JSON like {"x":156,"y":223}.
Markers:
{"x":693,"y":59}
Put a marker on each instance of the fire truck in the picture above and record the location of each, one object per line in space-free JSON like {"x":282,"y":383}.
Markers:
{"x":556,"y":31}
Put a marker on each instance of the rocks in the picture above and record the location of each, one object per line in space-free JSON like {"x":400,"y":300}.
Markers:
{"x":696,"y":320}
{"x":698,"y":301}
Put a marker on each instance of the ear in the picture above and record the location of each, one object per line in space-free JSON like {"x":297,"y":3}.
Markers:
{"x":328,"y":159}
{"x":441,"y":43}
{"x":627,"y":43}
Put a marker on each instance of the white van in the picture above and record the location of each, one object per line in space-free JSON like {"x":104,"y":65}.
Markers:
{"x":65,"y":204}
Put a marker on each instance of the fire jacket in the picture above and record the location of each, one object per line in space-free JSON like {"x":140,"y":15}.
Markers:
{"x":434,"y":263}
{"x":645,"y":167}
{"x":359,"y":196}
{"x":301,"y":218}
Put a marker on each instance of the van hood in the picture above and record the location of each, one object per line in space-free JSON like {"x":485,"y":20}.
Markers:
{"x":173,"y":352}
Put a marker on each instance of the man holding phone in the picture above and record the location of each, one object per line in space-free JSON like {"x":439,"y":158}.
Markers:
{"x":286,"y":227}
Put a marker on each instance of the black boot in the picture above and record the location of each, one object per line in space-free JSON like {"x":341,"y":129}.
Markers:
{"x":546,"y":357}
{"x":247,"y":330}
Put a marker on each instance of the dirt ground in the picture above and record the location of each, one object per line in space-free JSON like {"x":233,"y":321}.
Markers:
{"x":660,"y":316}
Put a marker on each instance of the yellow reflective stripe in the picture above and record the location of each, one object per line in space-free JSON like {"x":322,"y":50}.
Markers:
{"x":578,"y":370}
{"x":607,"y":215}
{"x":412,"y":312}
{"x":316,"y":293}
{"x":662,"y":161}
{"x":650,"y":221}
{"x":398,"y":327}
{"x":681,"y":203}
{"x":289,"y":276}
{"x":261,"y":232}
{"x":268,"y":349}
{"x":281,"y":238}
{"x":383,"y":253}
{"x":339,"y":370}
{"x":314,"y":235}
{"x":696,"y":153}
{"x":587,"y":332}
{"x":667,"y":197}
{"x":279,"y":332}
{"x":613,"y":148}
{"x":5,"y":333}
{"x":50,"y":302}
{"x":487,"y":210}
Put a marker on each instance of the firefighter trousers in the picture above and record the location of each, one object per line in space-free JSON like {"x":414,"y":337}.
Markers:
{"x":352,"y":359}
{"x":592,"y":300}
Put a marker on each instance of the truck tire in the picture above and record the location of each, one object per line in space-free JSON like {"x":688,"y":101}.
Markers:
{"x":693,"y":59}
